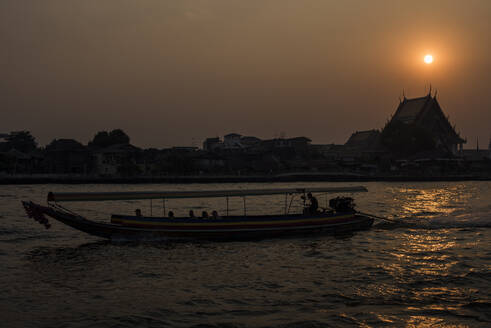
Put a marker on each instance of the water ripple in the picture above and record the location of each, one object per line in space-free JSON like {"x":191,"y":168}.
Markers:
{"x":431,"y":267}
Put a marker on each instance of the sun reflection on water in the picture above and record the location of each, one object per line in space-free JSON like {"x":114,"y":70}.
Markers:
{"x":427,"y":322}
{"x":421,"y":255}
{"x":431,"y":202}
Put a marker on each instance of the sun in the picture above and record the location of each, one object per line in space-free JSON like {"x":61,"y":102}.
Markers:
{"x":428,"y":59}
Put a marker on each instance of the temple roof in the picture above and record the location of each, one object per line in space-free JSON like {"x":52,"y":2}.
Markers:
{"x":410,"y":109}
{"x":363,"y":138}
{"x":427,"y":113}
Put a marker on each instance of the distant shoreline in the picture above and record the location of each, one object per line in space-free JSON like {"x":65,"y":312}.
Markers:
{"x":291,"y":177}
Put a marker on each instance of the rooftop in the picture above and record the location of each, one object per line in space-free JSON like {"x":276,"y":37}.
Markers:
{"x":363,"y":138}
{"x":410,"y":109}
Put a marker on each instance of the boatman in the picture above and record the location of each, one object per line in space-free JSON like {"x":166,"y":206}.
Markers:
{"x":314,"y":204}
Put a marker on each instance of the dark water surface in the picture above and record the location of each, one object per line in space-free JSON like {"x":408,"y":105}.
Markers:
{"x":430,"y":269}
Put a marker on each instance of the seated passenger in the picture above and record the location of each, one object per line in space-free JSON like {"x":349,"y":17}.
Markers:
{"x":204,"y":214}
{"x":214,"y":214}
{"x":171,"y":215}
{"x":138,"y":212}
{"x":191,"y":214}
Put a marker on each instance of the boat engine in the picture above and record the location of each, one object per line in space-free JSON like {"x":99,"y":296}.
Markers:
{"x":342,"y":204}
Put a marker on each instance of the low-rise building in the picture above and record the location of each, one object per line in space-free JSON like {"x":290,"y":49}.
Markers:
{"x":15,"y":162}
{"x":248,"y":142}
{"x":212,"y":144}
{"x":117,"y":160}
{"x":365,"y":145}
{"x":209,"y":162}
{"x":232,"y":141}
{"x":474,"y":155}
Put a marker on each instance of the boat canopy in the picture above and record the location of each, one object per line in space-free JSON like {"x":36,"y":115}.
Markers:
{"x":134,"y":195}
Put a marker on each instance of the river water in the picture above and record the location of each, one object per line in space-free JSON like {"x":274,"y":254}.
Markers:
{"x":431,"y":268}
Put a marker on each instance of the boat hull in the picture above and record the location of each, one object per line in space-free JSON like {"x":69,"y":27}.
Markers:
{"x":225,"y":229}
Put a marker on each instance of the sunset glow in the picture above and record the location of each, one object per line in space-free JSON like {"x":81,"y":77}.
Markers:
{"x":243,"y":66}
{"x":428,"y":59}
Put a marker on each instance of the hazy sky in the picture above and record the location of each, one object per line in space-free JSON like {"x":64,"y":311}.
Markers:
{"x":177,"y":71}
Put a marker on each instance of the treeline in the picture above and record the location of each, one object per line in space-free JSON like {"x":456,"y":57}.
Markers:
{"x":24,"y":141}
{"x":397,"y":150}
{"x":111,"y":154}
{"x":20,"y":154}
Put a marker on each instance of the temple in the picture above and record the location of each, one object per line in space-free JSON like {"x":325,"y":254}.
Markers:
{"x":425,"y":114}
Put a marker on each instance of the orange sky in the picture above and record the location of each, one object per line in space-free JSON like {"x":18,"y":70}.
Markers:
{"x":176,"y":72}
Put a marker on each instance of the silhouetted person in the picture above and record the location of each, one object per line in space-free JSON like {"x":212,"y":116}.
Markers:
{"x":314,"y":204}
{"x":191,"y":214}
{"x":138,"y":212}
{"x":204,"y":214}
{"x":171,"y":215}
{"x":214,"y":214}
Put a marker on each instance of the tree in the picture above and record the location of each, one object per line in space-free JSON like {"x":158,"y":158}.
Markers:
{"x":104,"y":139}
{"x":118,"y":137}
{"x":64,"y":145}
{"x":100,"y":140}
{"x":22,"y":141}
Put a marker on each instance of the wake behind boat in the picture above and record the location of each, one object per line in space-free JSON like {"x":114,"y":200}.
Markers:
{"x":341,"y":217}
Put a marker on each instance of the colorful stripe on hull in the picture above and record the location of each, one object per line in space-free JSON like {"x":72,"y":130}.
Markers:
{"x":236,"y":224}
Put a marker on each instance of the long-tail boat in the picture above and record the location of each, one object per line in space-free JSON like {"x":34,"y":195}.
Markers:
{"x":340,"y":218}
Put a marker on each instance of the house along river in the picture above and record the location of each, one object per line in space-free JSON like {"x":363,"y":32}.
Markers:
{"x":432,"y":268}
